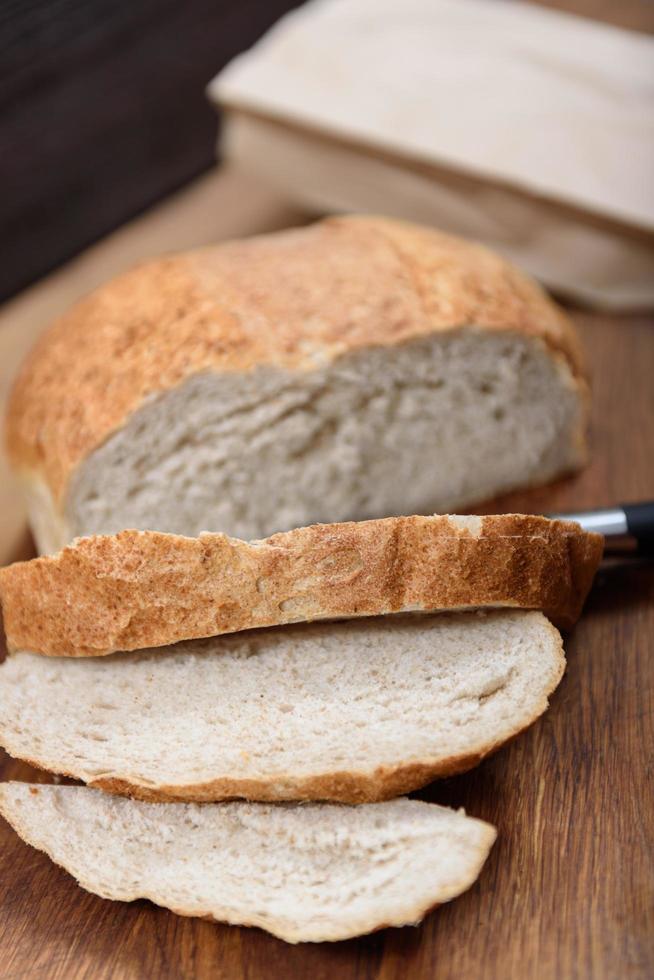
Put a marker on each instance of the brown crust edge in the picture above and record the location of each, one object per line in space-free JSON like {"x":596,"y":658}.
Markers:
{"x":142,"y":589}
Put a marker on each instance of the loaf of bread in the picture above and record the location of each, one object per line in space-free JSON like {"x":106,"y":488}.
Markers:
{"x":355,"y":711}
{"x":142,"y":589}
{"x":304,"y":873}
{"x":358,"y":368}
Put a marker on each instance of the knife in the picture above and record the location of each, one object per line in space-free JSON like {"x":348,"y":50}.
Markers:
{"x":627,"y":527}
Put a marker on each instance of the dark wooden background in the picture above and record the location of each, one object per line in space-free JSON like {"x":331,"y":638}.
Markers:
{"x":102,"y":112}
{"x":568,"y":891}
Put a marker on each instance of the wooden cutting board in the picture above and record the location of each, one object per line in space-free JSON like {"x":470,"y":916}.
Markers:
{"x":569,"y":888}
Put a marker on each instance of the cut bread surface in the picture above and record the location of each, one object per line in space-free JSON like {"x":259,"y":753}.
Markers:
{"x":352,"y":711}
{"x":145,"y":589}
{"x":431,"y":426}
{"x":354,"y":369}
{"x":303,"y":872}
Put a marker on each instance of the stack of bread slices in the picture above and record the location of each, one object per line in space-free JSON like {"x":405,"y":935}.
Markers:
{"x":246,"y":714}
{"x":432,"y":654}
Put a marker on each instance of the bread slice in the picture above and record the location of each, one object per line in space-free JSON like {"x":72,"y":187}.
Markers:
{"x":306,"y":873}
{"x":145,"y":589}
{"x":355,"y":711}
{"x":358,"y":368}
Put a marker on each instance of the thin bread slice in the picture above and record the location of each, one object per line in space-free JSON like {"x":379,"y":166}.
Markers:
{"x":304,"y":873}
{"x":355,"y":711}
{"x":141,"y":589}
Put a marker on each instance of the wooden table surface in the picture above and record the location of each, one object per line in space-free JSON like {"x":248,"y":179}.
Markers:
{"x":568,"y":890}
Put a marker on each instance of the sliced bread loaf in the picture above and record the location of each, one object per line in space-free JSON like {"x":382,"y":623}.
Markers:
{"x":358,"y":368}
{"x":304,"y":873}
{"x":145,"y":589}
{"x":352,"y":711}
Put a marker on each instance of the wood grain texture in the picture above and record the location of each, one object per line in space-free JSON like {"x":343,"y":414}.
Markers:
{"x":102,"y":112}
{"x":568,"y":891}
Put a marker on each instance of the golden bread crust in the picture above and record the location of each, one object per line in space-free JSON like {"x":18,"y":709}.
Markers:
{"x":140,"y":589}
{"x":295,"y":300}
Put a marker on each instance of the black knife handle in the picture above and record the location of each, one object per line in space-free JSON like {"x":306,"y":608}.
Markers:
{"x":640,"y":524}
{"x":624,"y":527}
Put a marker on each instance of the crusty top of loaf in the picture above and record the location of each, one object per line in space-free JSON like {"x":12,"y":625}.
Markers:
{"x":139,"y":589}
{"x":295,"y":300}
